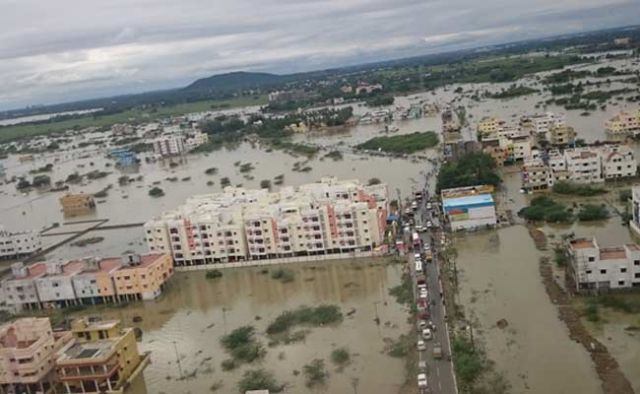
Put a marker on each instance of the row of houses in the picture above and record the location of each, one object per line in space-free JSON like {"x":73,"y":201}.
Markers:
{"x":92,"y":357}
{"x":15,"y":244}
{"x":509,"y":143}
{"x":322,"y":218}
{"x":87,"y":281}
{"x":585,"y":165}
{"x":178,"y":143}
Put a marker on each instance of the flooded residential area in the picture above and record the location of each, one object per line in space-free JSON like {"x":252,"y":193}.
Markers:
{"x":467,"y":225}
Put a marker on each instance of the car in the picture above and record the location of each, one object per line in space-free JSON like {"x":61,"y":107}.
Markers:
{"x":423,"y":295}
{"x":417,"y":256}
{"x":429,"y":206}
{"x":429,"y":223}
{"x":437,"y":351}
{"x":422,"y":324}
{"x":422,"y":286}
{"x":421,"y":229}
{"x":422,"y":346}
{"x":422,"y":366}
{"x":422,"y":380}
{"x":427,"y":334}
{"x":427,"y":247}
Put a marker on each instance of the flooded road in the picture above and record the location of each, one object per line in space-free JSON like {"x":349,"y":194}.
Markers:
{"x":195,"y":312}
{"x":499,"y":279}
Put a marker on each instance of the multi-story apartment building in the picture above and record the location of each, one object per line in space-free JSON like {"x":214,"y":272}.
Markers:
{"x":88,"y":281}
{"x":169,"y":145}
{"x":595,"y":268}
{"x":194,"y":139}
{"x":540,"y":124}
{"x":315,"y":219}
{"x":489,"y":126}
{"x":580,"y":165}
{"x":634,"y":224}
{"x":77,"y":204}
{"x":101,"y":357}
{"x":561,"y":134}
{"x":17,"y":244}
{"x":27,"y":355}
{"x":584,"y":165}
{"x":624,"y":123}
{"x":618,"y":161}
{"x":492,"y":147}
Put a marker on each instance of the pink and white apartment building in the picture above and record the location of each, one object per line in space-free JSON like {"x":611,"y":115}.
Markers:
{"x":321,"y":218}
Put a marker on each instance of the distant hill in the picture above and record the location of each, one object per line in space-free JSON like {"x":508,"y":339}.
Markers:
{"x":234,"y":81}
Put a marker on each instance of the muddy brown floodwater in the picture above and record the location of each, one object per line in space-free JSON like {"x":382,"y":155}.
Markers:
{"x":195,"y":312}
{"x":499,"y":279}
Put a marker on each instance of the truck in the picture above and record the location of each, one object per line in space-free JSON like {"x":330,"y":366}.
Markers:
{"x":437,"y":351}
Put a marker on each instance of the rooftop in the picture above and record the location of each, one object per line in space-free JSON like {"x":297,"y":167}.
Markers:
{"x":467,"y":200}
{"x":146,"y":260}
{"x":617,"y":253}
{"x":582,"y":243}
{"x":87,"y":350}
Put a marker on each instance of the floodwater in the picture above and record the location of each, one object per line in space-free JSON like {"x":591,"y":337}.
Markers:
{"x":499,"y":279}
{"x":192,"y":315}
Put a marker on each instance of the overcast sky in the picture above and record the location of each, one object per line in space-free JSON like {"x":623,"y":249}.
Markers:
{"x":56,"y":51}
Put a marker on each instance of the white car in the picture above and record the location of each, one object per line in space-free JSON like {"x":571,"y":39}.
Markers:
{"x":422,"y":366}
{"x":422,"y":346}
{"x":424,"y":294}
{"x":422,"y":287}
{"x":417,"y":256}
{"x":427,"y":247}
{"x":429,"y":205}
{"x":427,"y":334}
{"x":429,"y":223}
{"x":422,"y":380}
{"x":422,"y":324}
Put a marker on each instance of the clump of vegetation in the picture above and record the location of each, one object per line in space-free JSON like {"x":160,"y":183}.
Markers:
{"x":402,"y":144}
{"x":259,"y":379}
{"x":543,"y":208}
{"x":469,"y":363}
{"x":246,"y":167}
{"x":315,"y":373}
{"x":591,"y":212}
{"x":228,"y":365}
{"x":299,"y":149}
{"x":87,"y":241}
{"x":399,"y":348}
{"x":379,"y":100}
{"x":283,"y":275}
{"x":224,"y":182}
{"x":265,"y":184}
{"x":123,"y":180}
{"x":307,"y":316}
{"x":46,"y":168}
{"x":591,"y":312}
{"x":560,"y":257}
{"x":41,"y":181}
{"x":211,"y":171}
{"x":404,"y":291}
{"x":577,"y":189}
{"x":97,"y":174}
{"x":513,"y":91}
{"x":156,"y":192}
{"x":74,"y":178}
{"x":335,"y":155}
{"x":374,"y":181}
{"x":213,"y":274}
{"x":624,"y":195}
{"x":278,"y":180}
{"x":242,"y":345}
{"x":471,"y":169}
{"x":341,"y":356}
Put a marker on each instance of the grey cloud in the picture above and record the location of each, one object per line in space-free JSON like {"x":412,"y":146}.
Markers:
{"x":74,"y":49}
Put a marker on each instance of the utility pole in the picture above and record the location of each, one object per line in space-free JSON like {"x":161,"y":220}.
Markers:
{"x":175,"y":347}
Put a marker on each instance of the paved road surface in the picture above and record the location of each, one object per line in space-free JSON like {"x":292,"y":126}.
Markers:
{"x":440,"y":374}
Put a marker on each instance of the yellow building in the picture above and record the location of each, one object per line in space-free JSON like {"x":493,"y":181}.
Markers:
{"x":143,"y":277}
{"x":77,"y":204}
{"x":561,"y":135}
{"x":624,"y":123}
{"x":488,"y":126}
{"x":101,"y":358}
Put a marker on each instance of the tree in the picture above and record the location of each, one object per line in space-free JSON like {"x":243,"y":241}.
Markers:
{"x":471,"y":169}
{"x":156,"y":192}
{"x":265,"y":184}
{"x":374,"y":181}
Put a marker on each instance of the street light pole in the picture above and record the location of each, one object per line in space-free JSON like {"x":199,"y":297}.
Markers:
{"x":175,"y":347}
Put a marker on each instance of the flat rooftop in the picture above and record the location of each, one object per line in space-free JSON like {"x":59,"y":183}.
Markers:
{"x":618,"y":253}
{"x":582,"y":243}
{"x":479,"y":199}
{"x":87,"y":351}
{"x":146,"y":261}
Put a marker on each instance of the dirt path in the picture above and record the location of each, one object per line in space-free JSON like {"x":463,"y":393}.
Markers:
{"x":612,"y":378}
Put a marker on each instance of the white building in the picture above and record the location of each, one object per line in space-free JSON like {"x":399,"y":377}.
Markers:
{"x":540,"y":124}
{"x":194,"y":139}
{"x":618,"y":162}
{"x":469,"y":208}
{"x":584,"y":165}
{"x":16,"y":244}
{"x":598,"y":269}
{"x":635,"y":210}
{"x":315,"y":219}
{"x":169,"y":145}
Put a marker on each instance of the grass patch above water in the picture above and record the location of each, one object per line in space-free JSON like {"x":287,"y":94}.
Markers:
{"x":573,"y":189}
{"x":403,"y":292}
{"x":283,"y":275}
{"x":259,"y":379}
{"x":242,"y":345}
{"x":306,"y":316}
{"x":543,"y":208}
{"x":407,"y":143}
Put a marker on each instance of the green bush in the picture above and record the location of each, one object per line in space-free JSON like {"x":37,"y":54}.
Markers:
{"x":591,"y":312}
{"x":543,"y":208}
{"x":307,"y":316}
{"x":213,"y":274}
{"x":471,"y":169}
{"x":315,"y":373}
{"x":283,"y":275}
{"x":242,"y":345}
{"x":341,"y":356}
{"x":156,"y":192}
{"x":468,"y":362}
{"x":590,"y":212}
{"x":259,"y":379}
{"x":577,"y":189}
{"x":624,"y":195}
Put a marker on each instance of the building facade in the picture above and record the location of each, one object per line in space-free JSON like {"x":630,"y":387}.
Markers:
{"x":89,"y":281}
{"x":17,"y":244}
{"x":237,"y":225}
{"x":27,"y":355}
{"x":600,"y":269}
{"x":624,"y":123}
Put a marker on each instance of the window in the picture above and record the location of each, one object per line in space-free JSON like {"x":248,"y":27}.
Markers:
{"x":592,"y":259}
{"x":623,"y":270}
{"x":603,"y":271}
{"x":620,"y":283}
{"x":589,"y":272}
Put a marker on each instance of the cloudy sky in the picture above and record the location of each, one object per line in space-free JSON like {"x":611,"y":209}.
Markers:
{"x":56,"y":51}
